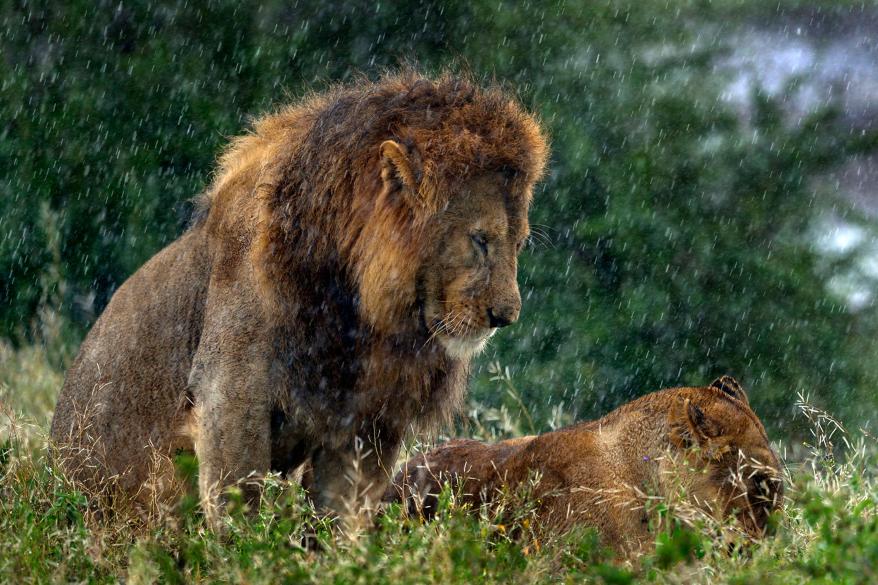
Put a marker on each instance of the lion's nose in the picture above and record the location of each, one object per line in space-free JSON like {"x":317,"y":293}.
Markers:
{"x":502,"y":316}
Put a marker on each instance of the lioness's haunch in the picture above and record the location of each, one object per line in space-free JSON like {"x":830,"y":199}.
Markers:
{"x":707,"y":440}
{"x":354,"y":251}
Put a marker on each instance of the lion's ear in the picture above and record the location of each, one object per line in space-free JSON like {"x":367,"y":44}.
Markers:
{"x":731,"y":387}
{"x":690,"y":426}
{"x":400,"y":166}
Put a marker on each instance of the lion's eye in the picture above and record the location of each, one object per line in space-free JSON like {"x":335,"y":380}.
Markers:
{"x":480,"y":242}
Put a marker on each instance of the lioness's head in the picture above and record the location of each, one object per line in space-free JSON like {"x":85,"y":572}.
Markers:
{"x":733,"y":469}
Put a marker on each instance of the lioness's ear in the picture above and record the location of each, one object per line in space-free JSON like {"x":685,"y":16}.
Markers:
{"x":702,"y":427}
{"x":731,"y":387}
{"x":400,"y":165}
{"x":690,"y":426}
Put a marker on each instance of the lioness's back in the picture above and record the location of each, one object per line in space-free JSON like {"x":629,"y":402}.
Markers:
{"x":597,"y":472}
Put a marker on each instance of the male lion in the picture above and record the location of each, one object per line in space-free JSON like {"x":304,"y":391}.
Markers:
{"x":706,"y":440}
{"x":353,"y":253}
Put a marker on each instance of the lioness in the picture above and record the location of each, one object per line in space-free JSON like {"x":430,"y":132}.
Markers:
{"x":596,"y":473}
{"x":353,"y":253}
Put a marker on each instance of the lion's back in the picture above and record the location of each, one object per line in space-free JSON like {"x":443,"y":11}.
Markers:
{"x":127,"y":385}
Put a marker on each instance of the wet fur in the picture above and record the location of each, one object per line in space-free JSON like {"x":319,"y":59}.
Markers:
{"x":285,"y":326}
{"x":594,"y":473}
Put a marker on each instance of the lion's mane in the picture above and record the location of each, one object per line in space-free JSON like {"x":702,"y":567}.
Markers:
{"x":313,"y":170}
{"x":305,"y":185}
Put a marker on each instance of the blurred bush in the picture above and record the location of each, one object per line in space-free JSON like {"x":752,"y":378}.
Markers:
{"x":675,"y":237}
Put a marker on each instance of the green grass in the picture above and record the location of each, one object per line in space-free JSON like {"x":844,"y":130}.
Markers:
{"x":48,"y":533}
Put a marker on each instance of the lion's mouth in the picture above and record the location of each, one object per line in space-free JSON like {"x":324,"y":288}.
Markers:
{"x":455,"y":332}
{"x":456,"y":325}
{"x":465,"y":346}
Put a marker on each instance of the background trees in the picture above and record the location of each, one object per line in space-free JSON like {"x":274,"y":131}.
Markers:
{"x":676,"y":234}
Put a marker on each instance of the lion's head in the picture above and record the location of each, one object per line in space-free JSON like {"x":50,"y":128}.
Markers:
{"x":731,"y":465}
{"x":466,"y":286}
{"x":469,"y":284}
{"x":419,"y":188}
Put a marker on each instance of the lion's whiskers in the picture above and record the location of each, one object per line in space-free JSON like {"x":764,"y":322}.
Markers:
{"x":441,"y":327}
{"x":453,"y":323}
{"x":540,"y":237}
{"x":455,"y":320}
{"x":461,"y":324}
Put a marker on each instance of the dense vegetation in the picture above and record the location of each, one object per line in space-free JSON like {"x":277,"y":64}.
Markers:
{"x":48,"y":533}
{"x":674,"y":241}
{"x":674,"y":236}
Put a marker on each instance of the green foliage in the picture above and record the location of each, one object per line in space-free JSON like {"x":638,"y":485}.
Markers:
{"x":43,"y":523}
{"x":113,"y":115}
{"x":675,"y":243}
{"x":681,"y":234}
{"x":48,"y":532}
{"x":678,"y":233}
{"x":677,"y":545}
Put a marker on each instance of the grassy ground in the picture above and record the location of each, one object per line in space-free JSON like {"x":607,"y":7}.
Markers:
{"x":829,"y":533}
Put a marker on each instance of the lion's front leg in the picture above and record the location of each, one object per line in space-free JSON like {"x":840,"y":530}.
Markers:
{"x":349,"y":482}
{"x":233,"y":443}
